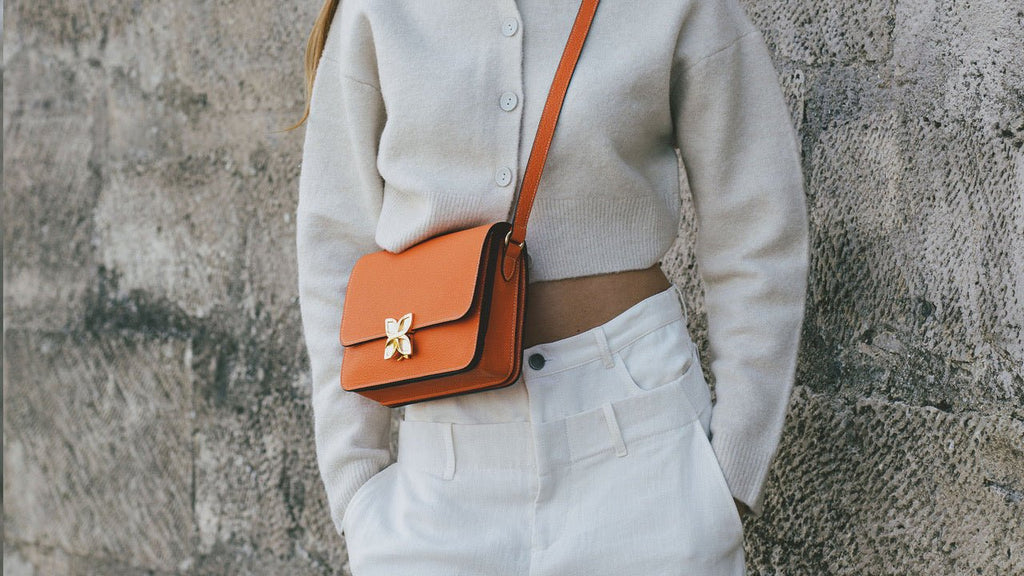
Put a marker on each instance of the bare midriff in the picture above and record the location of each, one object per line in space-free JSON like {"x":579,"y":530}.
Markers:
{"x":557,"y":309}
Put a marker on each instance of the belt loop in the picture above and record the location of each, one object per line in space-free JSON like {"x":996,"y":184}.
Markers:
{"x":613,"y":430}
{"x":602,"y":344}
{"x":449,"y":452}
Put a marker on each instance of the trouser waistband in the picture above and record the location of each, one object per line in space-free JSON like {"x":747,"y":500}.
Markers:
{"x":445,"y":448}
{"x":587,"y":352}
{"x":604,"y":339}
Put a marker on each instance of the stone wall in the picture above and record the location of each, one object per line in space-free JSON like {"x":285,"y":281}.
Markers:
{"x":156,"y":388}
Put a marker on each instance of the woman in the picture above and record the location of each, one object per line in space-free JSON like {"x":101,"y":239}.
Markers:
{"x":606,"y":456}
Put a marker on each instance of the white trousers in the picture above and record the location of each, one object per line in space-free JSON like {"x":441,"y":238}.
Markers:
{"x":595,"y":462}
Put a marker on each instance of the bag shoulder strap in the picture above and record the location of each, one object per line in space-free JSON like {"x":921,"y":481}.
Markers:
{"x":515,"y":240}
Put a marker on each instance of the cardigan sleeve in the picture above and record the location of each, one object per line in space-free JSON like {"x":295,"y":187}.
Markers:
{"x":340,"y":196}
{"x":741,"y":156}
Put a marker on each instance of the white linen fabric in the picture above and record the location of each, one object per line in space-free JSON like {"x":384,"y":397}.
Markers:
{"x":608,"y":471}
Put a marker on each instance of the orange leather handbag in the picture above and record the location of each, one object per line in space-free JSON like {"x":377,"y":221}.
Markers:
{"x":445,"y":316}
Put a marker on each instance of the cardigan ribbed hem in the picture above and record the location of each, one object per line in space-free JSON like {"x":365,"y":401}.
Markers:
{"x":745,"y":465}
{"x":553,"y":239}
{"x":558,"y":249}
{"x":351,"y":479}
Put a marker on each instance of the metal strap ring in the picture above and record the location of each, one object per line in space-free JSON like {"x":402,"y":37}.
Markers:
{"x":508,"y":235}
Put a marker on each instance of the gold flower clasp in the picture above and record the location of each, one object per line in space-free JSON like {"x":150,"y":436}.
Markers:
{"x":398,"y":337}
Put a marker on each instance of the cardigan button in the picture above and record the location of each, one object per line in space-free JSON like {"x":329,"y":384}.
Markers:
{"x":536,"y":361}
{"x":508,"y":101}
{"x":509,"y":27}
{"x":504,"y":176}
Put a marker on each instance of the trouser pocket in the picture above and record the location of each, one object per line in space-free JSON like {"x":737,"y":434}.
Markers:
{"x":458,"y":500}
{"x":353,"y":519}
{"x":662,"y":508}
{"x":666,"y":356}
{"x":645,"y":493}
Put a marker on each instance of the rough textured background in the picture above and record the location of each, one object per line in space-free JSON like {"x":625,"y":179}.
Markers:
{"x":156,"y":389}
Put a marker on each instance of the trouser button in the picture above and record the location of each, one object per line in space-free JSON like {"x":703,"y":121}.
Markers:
{"x":536,"y":361}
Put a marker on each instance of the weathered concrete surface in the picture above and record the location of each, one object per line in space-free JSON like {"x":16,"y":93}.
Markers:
{"x":156,"y":416}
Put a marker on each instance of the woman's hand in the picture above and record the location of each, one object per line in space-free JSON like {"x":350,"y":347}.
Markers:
{"x":742,"y":508}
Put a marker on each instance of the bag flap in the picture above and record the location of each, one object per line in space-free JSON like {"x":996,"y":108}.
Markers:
{"x":436,"y":280}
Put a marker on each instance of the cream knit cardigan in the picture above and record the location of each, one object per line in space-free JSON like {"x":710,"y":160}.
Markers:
{"x":421,"y":121}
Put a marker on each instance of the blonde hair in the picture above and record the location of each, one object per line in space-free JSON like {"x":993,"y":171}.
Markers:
{"x":314,"y":48}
